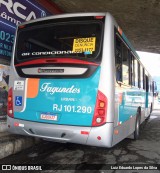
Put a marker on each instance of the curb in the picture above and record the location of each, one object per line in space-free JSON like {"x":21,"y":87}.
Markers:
{"x":3,"y":126}
{"x":11,"y":144}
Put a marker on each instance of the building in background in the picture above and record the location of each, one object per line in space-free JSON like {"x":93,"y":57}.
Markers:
{"x":12,"y":13}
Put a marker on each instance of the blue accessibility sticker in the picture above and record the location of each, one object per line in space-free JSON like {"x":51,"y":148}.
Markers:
{"x":18,"y":101}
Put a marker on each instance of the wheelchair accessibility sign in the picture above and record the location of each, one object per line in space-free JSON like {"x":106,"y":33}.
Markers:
{"x":18,"y":101}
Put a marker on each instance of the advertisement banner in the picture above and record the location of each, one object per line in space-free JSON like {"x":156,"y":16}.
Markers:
{"x":4,"y":77}
{"x":12,"y":13}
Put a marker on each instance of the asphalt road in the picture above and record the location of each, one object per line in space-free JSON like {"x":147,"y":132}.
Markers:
{"x":146,"y":151}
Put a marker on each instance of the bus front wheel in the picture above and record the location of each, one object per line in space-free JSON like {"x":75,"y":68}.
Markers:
{"x":137,"y":127}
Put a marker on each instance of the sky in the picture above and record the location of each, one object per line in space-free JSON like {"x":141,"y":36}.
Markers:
{"x":151,"y":61}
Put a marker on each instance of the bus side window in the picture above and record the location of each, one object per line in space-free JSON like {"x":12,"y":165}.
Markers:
{"x":132,"y":71}
{"x":136,"y":71}
{"x":150,"y":85}
{"x":139,"y":76}
{"x":144,"y":79}
{"x":125,"y":65}
{"x":147,"y":83}
{"x":118,"y":60}
{"x":141,"y":72}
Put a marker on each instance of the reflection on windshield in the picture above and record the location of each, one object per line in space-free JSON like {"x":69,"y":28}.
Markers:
{"x":74,"y":39}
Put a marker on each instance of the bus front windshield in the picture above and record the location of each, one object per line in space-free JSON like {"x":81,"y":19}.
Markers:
{"x":77,"y":39}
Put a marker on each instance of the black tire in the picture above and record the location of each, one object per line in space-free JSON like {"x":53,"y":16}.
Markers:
{"x":137,"y":127}
{"x":150,"y":113}
{"x":151,"y":109}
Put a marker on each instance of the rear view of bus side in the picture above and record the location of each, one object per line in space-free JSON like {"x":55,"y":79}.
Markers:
{"x":76,"y":78}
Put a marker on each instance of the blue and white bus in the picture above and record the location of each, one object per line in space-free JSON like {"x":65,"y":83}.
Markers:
{"x":76,"y":78}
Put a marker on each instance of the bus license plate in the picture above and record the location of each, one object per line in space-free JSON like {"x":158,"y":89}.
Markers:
{"x":49,"y":117}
